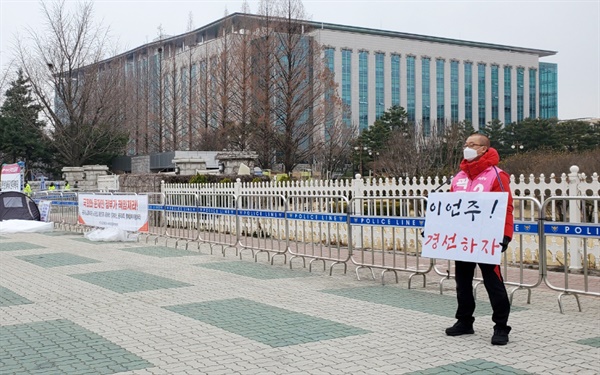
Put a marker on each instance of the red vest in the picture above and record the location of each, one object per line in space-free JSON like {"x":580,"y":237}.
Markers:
{"x":483,"y":182}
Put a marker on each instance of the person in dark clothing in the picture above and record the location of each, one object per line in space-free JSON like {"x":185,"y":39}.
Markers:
{"x":479,"y":172}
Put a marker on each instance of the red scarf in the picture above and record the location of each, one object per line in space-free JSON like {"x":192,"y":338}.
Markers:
{"x":475,"y":167}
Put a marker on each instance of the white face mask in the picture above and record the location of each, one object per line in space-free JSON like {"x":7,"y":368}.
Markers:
{"x":469,"y":153}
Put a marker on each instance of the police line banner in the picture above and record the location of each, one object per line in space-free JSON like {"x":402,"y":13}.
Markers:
{"x":126,"y":212}
{"x":465,"y":226}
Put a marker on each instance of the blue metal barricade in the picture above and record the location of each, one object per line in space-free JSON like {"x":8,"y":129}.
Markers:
{"x":318,"y":230}
{"x":217,"y":221}
{"x":576,"y":243}
{"x":386,"y":235}
{"x":261,"y":225}
{"x":63,"y":209}
{"x":156,"y":217}
{"x":523,"y":251}
{"x":181,"y":218}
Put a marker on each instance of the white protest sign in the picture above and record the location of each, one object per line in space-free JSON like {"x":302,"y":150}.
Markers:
{"x":45,"y":206}
{"x":126,"y":212}
{"x":11,"y":177}
{"x":465,"y":226}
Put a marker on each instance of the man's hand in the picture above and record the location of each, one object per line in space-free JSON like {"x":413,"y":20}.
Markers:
{"x":505,"y":241}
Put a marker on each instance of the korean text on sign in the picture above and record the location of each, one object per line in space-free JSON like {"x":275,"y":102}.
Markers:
{"x":465,"y":226}
{"x":127,"y":212}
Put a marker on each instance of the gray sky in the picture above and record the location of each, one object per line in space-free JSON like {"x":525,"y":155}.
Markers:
{"x":572,"y":28}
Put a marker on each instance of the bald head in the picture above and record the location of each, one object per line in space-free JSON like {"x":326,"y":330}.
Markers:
{"x":478,"y":142}
{"x":482,"y":139}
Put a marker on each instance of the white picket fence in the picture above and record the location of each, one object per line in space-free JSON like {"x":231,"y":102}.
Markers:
{"x":539,"y":187}
{"x":573,"y":184}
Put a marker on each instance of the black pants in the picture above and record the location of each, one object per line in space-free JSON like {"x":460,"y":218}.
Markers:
{"x":494,"y":284}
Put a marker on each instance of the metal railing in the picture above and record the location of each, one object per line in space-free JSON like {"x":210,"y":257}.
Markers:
{"x":373,"y":232}
{"x":578,"y":236}
{"x":386,"y":235}
{"x":317,"y":226}
{"x":261,"y":225}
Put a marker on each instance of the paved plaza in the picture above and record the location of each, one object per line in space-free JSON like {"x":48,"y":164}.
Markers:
{"x":71,"y":306}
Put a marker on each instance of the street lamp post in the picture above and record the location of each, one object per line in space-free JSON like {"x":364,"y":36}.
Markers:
{"x":371,"y":153}
{"x":361,"y":150}
{"x":517,"y":146}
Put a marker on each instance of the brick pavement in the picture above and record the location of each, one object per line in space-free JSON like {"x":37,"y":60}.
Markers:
{"x":70,"y":306}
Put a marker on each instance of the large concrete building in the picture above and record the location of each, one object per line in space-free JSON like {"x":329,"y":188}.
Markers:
{"x":437,"y":80}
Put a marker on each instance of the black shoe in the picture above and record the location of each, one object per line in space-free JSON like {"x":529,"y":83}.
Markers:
{"x":500,"y":336}
{"x":460,"y":328}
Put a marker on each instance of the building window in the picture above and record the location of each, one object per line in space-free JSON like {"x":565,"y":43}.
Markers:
{"x":426,"y":95}
{"x":329,"y":56}
{"x":395,"y":80}
{"x":481,"y":95}
{"x":363,"y":90}
{"x":454,"y":91}
{"x":379,"y":84}
{"x":532,"y":92}
{"x":469,"y":92}
{"x":548,"y":90}
{"x":439,"y":80}
{"x":410,"y":88}
{"x":507,"y":94}
{"x":203,"y":97}
{"x":143,"y":84}
{"x":154,"y":83}
{"x":329,"y":60}
{"x":520,"y":93}
{"x":347,"y":85}
{"x":130,"y":68}
{"x":495,"y":93}
{"x":183,"y":77}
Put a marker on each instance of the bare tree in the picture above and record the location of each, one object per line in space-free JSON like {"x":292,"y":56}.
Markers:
{"x":410,"y":153}
{"x":241,"y":129}
{"x":190,"y":22}
{"x":190,"y":91}
{"x":6,"y":76}
{"x":175,"y":97}
{"x":222,"y":80}
{"x":205,"y":103}
{"x":79,"y":92}
{"x":263,"y":85}
{"x":336,"y":146}
{"x":290,"y":85}
{"x":137,"y":94}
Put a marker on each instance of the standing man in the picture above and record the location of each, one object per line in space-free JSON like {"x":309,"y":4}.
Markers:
{"x":478,"y":173}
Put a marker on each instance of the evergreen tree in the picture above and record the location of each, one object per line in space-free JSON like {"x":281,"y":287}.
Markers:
{"x":21,"y":132}
{"x":497,"y":135}
{"x":376,"y":137}
{"x":578,"y":135}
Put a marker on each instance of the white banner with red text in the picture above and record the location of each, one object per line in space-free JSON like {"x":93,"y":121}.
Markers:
{"x":465,"y":226}
{"x":11,"y":177}
{"x":126,"y":212}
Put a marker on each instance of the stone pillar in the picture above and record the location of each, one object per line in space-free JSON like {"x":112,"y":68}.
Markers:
{"x":90,"y":178}
{"x":189,"y":166}
{"x":73,"y":174}
{"x":140,"y":164}
{"x":232,"y":160}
